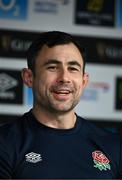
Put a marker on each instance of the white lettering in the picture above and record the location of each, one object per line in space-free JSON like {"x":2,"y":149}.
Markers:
{"x":7,"y":95}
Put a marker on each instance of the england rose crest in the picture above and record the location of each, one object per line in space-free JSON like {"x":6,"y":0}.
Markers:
{"x":100,"y":161}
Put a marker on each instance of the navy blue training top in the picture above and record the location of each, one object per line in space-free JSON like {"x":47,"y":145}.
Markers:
{"x":31,"y":150}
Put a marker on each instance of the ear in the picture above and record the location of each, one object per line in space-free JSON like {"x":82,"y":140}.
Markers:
{"x":85,"y":79}
{"x":27,"y":77}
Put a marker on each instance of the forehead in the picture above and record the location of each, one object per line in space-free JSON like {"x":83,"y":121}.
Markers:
{"x":62,"y":53}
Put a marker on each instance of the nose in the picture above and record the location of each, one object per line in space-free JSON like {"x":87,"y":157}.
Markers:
{"x":63,"y":76}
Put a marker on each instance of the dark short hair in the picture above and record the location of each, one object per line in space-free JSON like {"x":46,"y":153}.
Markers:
{"x":51,"y":38}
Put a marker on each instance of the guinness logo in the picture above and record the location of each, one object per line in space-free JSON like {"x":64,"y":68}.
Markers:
{"x":5,"y":42}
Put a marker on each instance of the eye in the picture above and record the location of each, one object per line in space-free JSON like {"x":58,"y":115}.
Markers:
{"x":52,"y":68}
{"x":74,"y":69}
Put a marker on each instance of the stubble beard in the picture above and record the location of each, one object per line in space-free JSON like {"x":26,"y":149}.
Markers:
{"x":54,"y":106}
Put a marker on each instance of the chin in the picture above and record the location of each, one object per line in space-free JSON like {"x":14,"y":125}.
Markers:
{"x":63,"y":109}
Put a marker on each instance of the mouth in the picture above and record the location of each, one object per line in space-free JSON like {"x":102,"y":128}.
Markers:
{"x":61,"y":94}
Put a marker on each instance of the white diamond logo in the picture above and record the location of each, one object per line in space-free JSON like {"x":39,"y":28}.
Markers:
{"x":7,"y":82}
{"x":33,"y":157}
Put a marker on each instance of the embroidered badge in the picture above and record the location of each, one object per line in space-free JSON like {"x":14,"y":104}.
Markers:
{"x":100,"y":161}
{"x":33,"y":157}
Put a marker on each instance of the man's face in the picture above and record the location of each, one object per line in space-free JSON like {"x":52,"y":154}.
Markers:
{"x":59,"y":80}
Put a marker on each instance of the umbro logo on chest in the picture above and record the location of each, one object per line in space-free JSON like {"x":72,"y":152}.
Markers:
{"x":33,"y":157}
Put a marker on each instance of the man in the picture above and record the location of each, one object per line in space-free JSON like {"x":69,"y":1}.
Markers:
{"x":51,"y":141}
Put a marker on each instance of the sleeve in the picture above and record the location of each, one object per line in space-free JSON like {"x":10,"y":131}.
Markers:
{"x":5,"y":163}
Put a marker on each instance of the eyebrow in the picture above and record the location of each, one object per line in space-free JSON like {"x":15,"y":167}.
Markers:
{"x":53,"y":61}
{"x":74,"y":63}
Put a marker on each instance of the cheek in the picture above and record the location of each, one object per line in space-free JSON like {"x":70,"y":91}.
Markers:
{"x":43,"y":84}
{"x":38,"y":84}
{"x":79,"y":83}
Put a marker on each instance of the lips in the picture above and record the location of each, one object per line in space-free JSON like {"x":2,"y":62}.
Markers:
{"x":64,"y":91}
{"x":61,"y":93}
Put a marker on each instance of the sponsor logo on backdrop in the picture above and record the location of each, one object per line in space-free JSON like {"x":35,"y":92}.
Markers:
{"x":118,"y":96}
{"x":94,"y":12}
{"x":13,"y":9}
{"x":11,"y":87}
{"x":94,"y":90}
{"x":108,"y":51}
{"x":19,"y":45}
{"x":49,"y":6}
{"x":14,"y":44}
{"x":7,"y":82}
{"x":102,"y":50}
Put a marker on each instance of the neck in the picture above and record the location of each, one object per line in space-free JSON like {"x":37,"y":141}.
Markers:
{"x":59,"y":121}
